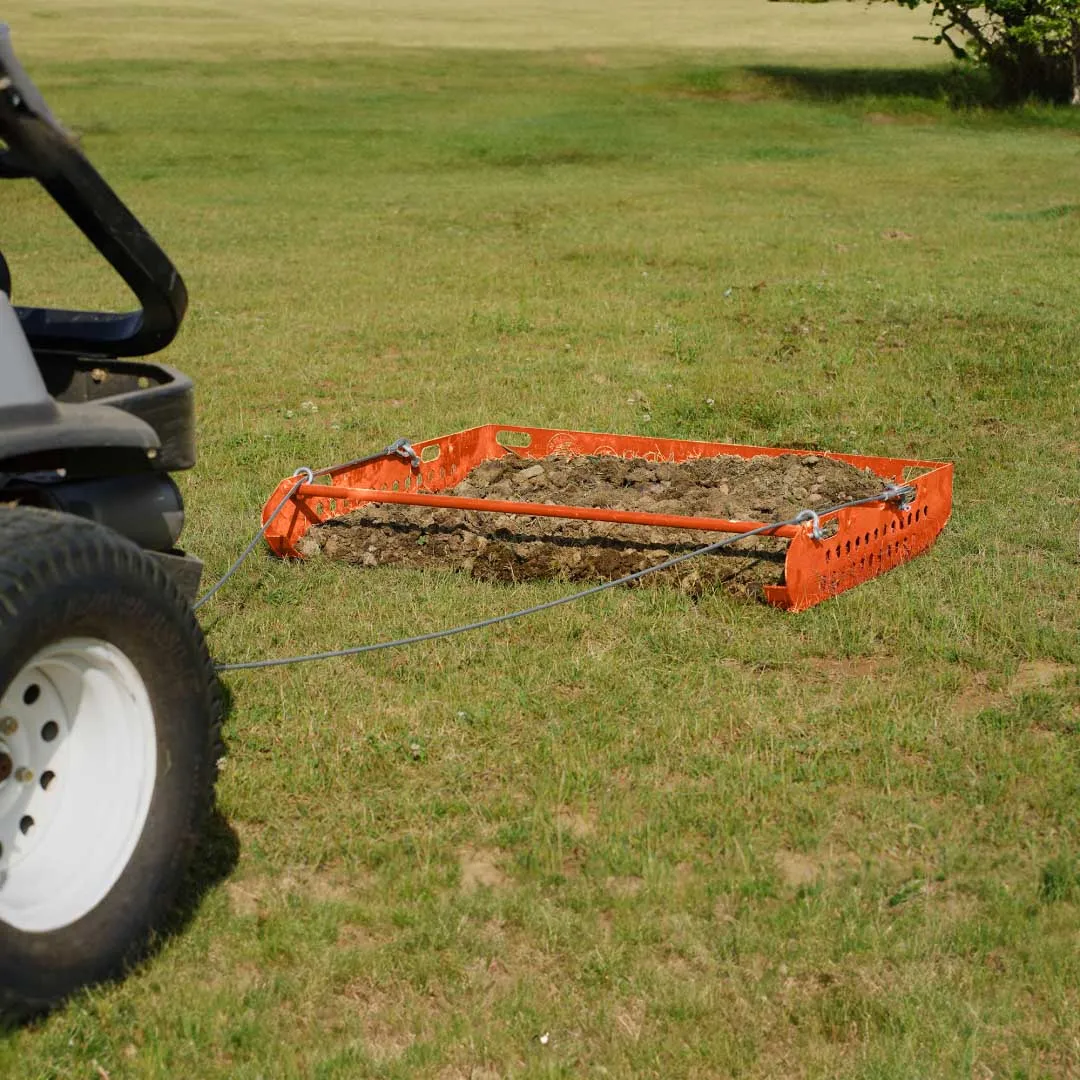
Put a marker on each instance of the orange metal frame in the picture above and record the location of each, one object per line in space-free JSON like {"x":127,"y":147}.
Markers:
{"x":862,"y":541}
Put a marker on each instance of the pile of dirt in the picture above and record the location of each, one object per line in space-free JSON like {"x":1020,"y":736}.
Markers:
{"x":508,"y":547}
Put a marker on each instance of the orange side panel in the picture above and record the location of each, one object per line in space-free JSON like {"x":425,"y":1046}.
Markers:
{"x":869,"y":540}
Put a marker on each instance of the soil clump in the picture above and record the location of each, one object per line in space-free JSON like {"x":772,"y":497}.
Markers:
{"x":509,"y":547}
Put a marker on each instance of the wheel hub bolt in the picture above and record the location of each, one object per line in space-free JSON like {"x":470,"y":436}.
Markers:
{"x":6,"y":765}
{"x":23,"y":775}
{"x":9,"y":725}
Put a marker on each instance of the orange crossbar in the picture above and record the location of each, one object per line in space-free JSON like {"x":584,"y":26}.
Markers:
{"x":580,"y":513}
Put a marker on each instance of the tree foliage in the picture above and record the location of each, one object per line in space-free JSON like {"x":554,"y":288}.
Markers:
{"x":1031,"y":46}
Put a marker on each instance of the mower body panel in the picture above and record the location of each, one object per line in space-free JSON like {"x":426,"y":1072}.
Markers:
{"x":21,"y":384}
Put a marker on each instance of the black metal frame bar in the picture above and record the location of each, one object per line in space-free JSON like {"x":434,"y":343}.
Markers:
{"x":38,"y":147}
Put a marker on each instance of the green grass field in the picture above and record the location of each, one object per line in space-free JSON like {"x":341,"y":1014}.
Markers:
{"x":639,"y":836}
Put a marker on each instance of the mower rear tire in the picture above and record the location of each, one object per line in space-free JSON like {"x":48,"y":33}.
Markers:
{"x":110,"y":725}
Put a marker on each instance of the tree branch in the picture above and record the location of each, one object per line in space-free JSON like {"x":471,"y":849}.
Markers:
{"x":958,"y":51}
{"x":962,"y":17}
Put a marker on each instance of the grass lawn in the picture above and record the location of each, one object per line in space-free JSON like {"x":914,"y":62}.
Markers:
{"x":640,"y":836}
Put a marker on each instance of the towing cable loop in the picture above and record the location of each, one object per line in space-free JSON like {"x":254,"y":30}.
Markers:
{"x":902,"y":494}
{"x":401,"y":448}
{"x":306,"y":476}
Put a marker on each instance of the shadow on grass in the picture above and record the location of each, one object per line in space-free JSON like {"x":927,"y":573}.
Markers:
{"x":957,"y":87}
{"x":216,"y":854}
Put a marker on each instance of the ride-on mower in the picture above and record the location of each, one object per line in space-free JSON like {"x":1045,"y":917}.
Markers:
{"x":110,"y":713}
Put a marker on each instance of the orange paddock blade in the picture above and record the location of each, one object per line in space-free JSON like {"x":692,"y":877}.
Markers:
{"x":863,"y":541}
{"x":579,"y":513}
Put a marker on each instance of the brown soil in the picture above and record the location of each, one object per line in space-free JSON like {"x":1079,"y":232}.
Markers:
{"x":506,"y":547}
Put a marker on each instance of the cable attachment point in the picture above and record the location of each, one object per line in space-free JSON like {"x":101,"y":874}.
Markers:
{"x":306,"y":473}
{"x":402,"y":448}
{"x":810,"y":515}
{"x":902,"y":494}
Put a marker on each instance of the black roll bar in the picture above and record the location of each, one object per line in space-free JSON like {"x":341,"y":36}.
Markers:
{"x":39,"y":148}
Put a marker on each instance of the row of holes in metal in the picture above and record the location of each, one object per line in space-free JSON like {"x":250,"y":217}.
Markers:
{"x":320,"y":506}
{"x":897,"y":524}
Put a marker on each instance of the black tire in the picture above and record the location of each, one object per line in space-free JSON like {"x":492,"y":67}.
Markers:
{"x":64,"y":578}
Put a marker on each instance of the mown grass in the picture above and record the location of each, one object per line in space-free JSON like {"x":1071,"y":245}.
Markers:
{"x":675,"y":838}
{"x":281,"y":29}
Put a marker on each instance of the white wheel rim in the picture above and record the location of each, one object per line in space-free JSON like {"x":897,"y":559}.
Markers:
{"x":78,"y":760}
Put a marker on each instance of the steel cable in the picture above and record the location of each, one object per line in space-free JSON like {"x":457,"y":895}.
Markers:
{"x":892,"y":493}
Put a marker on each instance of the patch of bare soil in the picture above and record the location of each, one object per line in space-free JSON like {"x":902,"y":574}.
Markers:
{"x":579,"y":826}
{"x":479,"y":869}
{"x":1036,"y":674}
{"x":976,"y":696}
{"x":508,"y":547}
{"x":257,"y":894}
{"x":795,"y":869}
{"x":858,"y":667}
